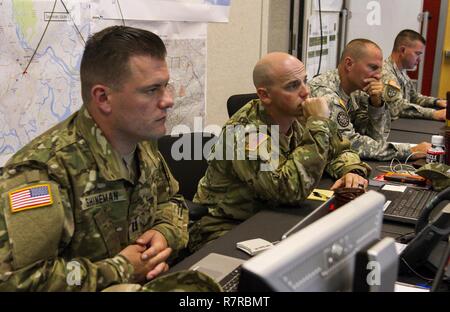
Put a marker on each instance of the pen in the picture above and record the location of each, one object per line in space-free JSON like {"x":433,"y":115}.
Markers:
{"x":317,"y":194}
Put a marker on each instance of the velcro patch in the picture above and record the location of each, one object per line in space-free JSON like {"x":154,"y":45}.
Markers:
{"x":102,"y":198}
{"x":30,"y":197}
{"x":255,"y":140}
{"x":394,"y":84}
{"x":343,"y":119}
{"x":391,"y":92}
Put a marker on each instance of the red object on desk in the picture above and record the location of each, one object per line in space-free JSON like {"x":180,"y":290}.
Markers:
{"x":405,"y":178}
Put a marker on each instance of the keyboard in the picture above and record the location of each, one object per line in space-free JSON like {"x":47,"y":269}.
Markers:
{"x":408,"y":206}
{"x":230,"y":282}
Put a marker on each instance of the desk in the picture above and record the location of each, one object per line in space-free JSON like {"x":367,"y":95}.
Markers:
{"x":405,"y":136}
{"x":418,"y":126}
{"x":258,"y":226}
{"x":281,"y":220}
{"x":272,"y":224}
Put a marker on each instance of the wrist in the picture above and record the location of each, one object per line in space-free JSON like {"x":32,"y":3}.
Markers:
{"x":377,"y":103}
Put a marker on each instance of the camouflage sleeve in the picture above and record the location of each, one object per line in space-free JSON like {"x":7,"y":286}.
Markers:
{"x":171,"y":214}
{"x":398,"y":104}
{"x":369,"y":136}
{"x":31,"y":239}
{"x":403,"y":149}
{"x":419,"y":99}
{"x":287,"y":180}
{"x":343,"y":159}
{"x":416,"y":111}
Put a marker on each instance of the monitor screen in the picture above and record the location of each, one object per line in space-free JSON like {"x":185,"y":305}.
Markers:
{"x":320,"y":257}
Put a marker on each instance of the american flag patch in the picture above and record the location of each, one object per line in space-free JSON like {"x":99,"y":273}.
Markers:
{"x":30,"y":197}
{"x":255,"y":140}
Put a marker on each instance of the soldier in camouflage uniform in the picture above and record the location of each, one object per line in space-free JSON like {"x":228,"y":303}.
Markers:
{"x":235,"y":188}
{"x":91,"y":203}
{"x":355,"y":95}
{"x":402,"y":97}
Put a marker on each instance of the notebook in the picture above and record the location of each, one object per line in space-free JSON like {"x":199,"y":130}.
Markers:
{"x":225,"y":270}
{"x":405,"y":204}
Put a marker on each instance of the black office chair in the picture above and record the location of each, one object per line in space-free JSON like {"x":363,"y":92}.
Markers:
{"x":187,"y":172}
{"x":235,"y":102}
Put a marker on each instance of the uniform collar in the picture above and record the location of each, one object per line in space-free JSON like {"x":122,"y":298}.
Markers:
{"x":262,"y":113}
{"x":348,"y":101}
{"x":285,"y":140}
{"x":401,"y":74}
{"x":109,"y":161}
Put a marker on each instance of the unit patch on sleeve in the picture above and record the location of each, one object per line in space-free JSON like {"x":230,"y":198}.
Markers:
{"x":392,"y":90}
{"x":343,"y":120}
{"x":30,"y":197}
{"x":255,"y":140}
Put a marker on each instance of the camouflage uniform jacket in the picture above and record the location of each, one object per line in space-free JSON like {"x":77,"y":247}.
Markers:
{"x":234,"y":190}
{"x":97,"y":209}
{"x":402,"y":97}
{"x":366,"y":126}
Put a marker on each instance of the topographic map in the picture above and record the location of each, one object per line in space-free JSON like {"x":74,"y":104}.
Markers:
{"x":35,"y":96}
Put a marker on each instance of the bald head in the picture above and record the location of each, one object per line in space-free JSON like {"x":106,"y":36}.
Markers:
{"x":358,"y":48}
{"x":272,"y":66}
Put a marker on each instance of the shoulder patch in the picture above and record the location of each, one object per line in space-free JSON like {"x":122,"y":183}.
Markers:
{"x":30,"y":197}
{"x":394,"y":84}
{"x":391,"y":92}
{"x":255,"y":140}
{"x":343,"y":120}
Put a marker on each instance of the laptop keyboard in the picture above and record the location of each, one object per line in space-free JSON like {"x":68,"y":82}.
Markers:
{"x":409,"y":206}
{"x":230,"y":282}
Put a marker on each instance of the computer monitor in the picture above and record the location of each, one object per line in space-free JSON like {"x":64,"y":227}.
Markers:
{"x":320,"y":257}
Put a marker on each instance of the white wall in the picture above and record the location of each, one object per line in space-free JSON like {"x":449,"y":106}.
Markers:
{"x":255,"y":27}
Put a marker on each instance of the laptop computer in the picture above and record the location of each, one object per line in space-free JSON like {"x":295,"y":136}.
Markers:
{"x":405,"y":204}
{"x":225,"y":270}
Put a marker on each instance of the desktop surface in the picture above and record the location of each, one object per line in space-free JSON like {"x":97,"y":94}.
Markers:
{"x":426,"y":126}
{"x":272,"y":224}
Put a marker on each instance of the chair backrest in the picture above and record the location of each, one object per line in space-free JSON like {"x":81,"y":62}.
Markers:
{"x":193,"y":164}
{"x":235,"y":102}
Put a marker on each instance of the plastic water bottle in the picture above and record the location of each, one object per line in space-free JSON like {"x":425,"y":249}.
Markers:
{"x":436,"y":154}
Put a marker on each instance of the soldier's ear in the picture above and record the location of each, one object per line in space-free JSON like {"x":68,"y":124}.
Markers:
{"x":402,"y":49}
{"x":263,"y":95}
{"x":101,"y":97}
{"x":348,"y":63}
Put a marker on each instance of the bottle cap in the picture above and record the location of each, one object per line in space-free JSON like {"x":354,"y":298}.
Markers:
{"x":437,"y":140}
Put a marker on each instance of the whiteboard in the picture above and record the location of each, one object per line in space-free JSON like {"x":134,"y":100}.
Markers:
{"x":395,"y":15}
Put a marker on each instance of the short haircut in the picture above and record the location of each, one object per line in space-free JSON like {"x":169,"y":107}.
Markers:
{"x":406,"y":37}
{"x":357,"y":48}
{"x":107,"y":54}
{"x":262,"y":75}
